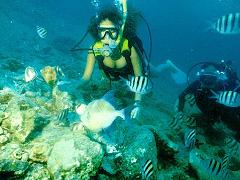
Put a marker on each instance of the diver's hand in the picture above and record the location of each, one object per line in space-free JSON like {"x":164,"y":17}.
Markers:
{"x":136,"y":110}
{"x":190,"y":99}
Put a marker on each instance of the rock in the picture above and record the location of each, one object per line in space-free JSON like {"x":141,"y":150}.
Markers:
{"x":17,"y":166}
{"x":10,"y":165}
{"x":75,"y":156}
{"x":138,"y":148}
{"x":37,"y":171}
{"x":131,"y":153}
{"x":39,"y":152}
{"x":3,"y":139}
{"x":20,"y":123}
{"x":4,"y":136}
{"x":6,"y":95}
{"x":108,"y":164}
{"x":22,"y":120}
{"x":61,"y":100}
{"x":20,"y":154}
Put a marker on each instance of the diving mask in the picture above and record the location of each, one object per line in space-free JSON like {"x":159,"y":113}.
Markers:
{"x":111,"y":31}
{"x":216,"y":75}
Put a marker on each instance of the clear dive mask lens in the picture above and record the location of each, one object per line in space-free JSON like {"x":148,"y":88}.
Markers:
{"x":217,"y":75}
{"x":208,"y":79}
{"x":211,"y":78}
{"x":112,"y":32}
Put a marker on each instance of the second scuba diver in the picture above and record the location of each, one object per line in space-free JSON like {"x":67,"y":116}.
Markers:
{"x":215,"y":93}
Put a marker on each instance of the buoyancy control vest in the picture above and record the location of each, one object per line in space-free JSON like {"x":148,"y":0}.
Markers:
{"x":124,"y":49}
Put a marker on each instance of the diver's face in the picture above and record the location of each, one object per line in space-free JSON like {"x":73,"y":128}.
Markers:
{"x":107,"y":31}
{"x":208,"y":82}
{"x":209,"y":79}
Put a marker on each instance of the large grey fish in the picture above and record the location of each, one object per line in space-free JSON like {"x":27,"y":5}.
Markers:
{"x":227,"y":98}
{"x":228,"y":24}
{"x":101,"y":113}
{"x":139,"y":84}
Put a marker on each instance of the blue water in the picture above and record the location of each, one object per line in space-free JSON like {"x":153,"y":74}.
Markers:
{"x":180,"y":29}
{"x":180,"y":32}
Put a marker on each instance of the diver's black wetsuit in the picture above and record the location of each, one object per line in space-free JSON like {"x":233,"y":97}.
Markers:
{"x":211,"y":110}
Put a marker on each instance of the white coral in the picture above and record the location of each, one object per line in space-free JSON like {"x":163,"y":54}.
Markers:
{"x":3,"y":139}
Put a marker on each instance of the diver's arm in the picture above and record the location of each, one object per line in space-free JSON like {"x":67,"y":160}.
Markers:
{"x":137,"y":68}
{"x":88,"y":68}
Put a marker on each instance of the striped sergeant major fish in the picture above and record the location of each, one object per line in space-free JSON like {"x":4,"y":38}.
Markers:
{"x":139,"y":84}
{"x":227,"y":98}
{"x":190,"y":139}
{"x":176,"y":121}
{"x":63,"y":115}
{"x":225,"y":161}
{"x":232,"y":146}
{"x":228,"y":24}
{"x":209,"y":168}
{"x":42,"y":32}
{"x":182,"y":119}
{"x":147,"y":170}
{"x":190,"y":121}
{"x":216,"y":169}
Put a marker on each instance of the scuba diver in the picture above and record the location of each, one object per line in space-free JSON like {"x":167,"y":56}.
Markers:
{"x":118,"y":51}
{"x":115,"y":51}
{"x":214,"y":95}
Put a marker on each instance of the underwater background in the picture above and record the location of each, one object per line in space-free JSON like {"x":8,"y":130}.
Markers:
{"x":181,"y":31}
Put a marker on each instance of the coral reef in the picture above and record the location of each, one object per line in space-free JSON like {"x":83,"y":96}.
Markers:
{"x":82,"y":160}
{"x":39,"y":152}
{"x":49,"y":74}
{"x":35,"y":145}
{"x":37,"y":171}
{"x":12,"y":162}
